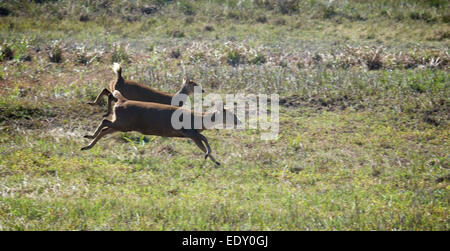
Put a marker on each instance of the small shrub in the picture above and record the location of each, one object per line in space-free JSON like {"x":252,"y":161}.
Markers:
{"x":147,"y":10}
{"x":84,"y":18}
{"x":175,"y":53}
{"x":317,"y":58}
{"x":399,"y":17}
{"x":261,"y":19}
{"x":329,"y":12}
{"x":374,"y":64}
{"x":120,"y":54}
{"x":55,"y":54}
{"x":187,"y":8}
{"x":427,"y":17}
{"x":234,"y":57}
{"x":151,"y":48}
{"x":258,"y":59}
{"x":374,"y":59}
{"x":20,"y":50}
{"x":414,"y":15}
{"x":6,"y":52}
{"x":209,"y":28}
{"x":288,"y":6}
{"x":4,"y":11}
{"x":198,"y":56}
{"x":25,"y":58}
{"x":417,"y":87}
{"x":81,"y":57}
{"x":437,"y":3}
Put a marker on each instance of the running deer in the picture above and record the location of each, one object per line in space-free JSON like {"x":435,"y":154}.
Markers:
{"x":136,"y":91}
{"x":156,"y":119}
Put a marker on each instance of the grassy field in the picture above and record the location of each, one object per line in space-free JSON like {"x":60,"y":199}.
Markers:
{"x":364,"y":115}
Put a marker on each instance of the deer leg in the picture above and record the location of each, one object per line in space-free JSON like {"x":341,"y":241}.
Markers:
{"x":104,"y":92}
{"x":104,"y":123}
{"x":199,"y":143}
{"x":208,"y":153}
{"x":199,"y":139}
{"x":103,"y":132}
{"x":110,"y":99}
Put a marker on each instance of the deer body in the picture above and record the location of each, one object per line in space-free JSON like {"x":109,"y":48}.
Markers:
{"x":139,"y":92}
{"x":154,"y":119}
{"x":136,"y":91}
{"x":146,"y":118}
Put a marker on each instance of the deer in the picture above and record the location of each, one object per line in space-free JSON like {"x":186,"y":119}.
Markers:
{"x":150,"y":118}
{"x":136,"y":91}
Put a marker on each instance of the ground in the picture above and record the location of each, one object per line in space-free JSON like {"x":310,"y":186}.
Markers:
{"x":364,"y":115}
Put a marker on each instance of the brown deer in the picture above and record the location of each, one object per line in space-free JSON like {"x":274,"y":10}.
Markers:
{"x":136,"y":91}
{"x":156,"y":119}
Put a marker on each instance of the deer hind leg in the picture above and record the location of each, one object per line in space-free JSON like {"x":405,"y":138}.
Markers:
{"x":102,"y":133}
{"x":104,"y":123}
{"x":102,"y":93}
{"x":208,"y":153}
{"x":111,"y":98}
{"x":199,"y":139}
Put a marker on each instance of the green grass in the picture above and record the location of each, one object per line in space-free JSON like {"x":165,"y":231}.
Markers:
{"x":364,"y":116}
